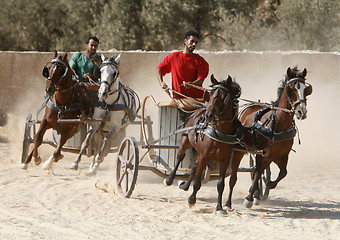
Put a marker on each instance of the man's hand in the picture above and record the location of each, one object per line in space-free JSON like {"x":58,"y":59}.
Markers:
{"x":164,"y":86}
{"x":87,"y":76}
{"x":186,"y":85}
{"x":91,"y":86}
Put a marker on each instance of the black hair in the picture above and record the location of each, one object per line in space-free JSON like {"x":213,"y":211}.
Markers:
{"x":191,"y":33}
{"x":93,"y":38}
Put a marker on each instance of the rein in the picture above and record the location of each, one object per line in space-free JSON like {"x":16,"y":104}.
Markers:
{"x":68,"y":89}
{"x":267,"y":105}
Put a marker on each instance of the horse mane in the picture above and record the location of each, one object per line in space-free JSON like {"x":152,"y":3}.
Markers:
{"x":234,"y":88}
{"x":282,"y":84}
{"x":112,"y":60}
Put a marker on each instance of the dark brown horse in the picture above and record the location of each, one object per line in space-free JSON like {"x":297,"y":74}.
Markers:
{"x":67,"y":100}
{"x":212,"y":136}
{"x":270,"y":132}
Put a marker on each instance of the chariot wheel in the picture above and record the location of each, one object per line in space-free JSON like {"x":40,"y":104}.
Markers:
{"x":127,"y":166}
{"x":147,"y":125}
{"x":264,"y":190}
{"x":27,"y":138}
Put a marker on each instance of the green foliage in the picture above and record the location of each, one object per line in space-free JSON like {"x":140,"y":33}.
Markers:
{"x":312,"y":24}
{"x":45,"y":25}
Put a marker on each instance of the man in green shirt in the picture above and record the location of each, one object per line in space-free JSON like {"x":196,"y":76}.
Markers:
{"x":85,"y":63}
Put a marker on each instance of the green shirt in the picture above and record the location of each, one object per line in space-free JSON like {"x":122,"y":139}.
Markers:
{"x":81,"y":65}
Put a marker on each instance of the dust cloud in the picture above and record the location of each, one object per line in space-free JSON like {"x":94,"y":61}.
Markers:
{"x":257,"y":73}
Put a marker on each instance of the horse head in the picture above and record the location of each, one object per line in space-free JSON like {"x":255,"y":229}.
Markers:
{"x":220,"y":98}
{"x":108,"y":77}
{"x":297,"y":91}
{"x":55,"y":72}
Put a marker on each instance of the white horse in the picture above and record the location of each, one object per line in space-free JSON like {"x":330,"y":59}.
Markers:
{"x":117,"y":103}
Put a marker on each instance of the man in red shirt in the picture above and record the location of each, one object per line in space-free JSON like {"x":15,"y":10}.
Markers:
{"x":185,"y":67}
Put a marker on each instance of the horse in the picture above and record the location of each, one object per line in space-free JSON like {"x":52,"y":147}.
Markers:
{"x":118,"y":104}
{"x":66,"y":100}
{"x":211,"y":133}
{"x":270,"y":131}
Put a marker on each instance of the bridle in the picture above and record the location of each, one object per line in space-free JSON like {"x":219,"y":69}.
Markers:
{"x":55,"y":63}
{"x":114,"y":65}
{"x":302,"y":98}
{"x":229,"y":95}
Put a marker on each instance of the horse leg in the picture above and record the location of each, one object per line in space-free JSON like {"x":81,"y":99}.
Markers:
{"x":98,"y":139}
{"x":198,"y":181}
{"x":37,"y":142}
{"x":184,"y":185}
{"x":221,"y":184}
{"x":56,"y":156}
{"x":249,"y":200}
{"x":84,"y":146}
{"x":282,"y":173}
{"x":180,"y":156}
{"x":236,"y":159}
{"x":104,"y":151}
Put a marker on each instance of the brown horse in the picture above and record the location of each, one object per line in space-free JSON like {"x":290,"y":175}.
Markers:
{"x":67,"y":100}
{"x":211,"y":134}
{"x":270,"y":132}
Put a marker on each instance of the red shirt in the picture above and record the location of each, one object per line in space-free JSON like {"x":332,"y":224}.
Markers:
{"x":185,"y":67}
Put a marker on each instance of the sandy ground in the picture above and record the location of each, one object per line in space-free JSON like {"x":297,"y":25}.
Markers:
{"x":67,"y":205}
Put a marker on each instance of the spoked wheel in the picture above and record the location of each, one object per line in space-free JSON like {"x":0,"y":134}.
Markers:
{"x":27,"y":138}
{"x":127,"y":166}
{"x":147,"y":125}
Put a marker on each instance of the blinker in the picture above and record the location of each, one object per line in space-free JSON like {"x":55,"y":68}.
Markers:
{"x":45,"y":72}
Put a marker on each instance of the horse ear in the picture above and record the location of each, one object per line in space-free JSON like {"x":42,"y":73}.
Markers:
{"x":65,"y":56}
{"x":308,"y":90}
{"x":55,"y":54}
{"x":304,"y":72}
{"x":289,"y":71}
{"x":102,"y":57}
{"x":229,"y":80}
{"x":117,"y":59}
{"x":213,"y":79}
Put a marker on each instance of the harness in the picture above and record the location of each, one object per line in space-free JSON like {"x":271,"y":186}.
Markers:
{"x":73,"y":106}
{"x":217,"y":135}
{"x":269,"y":133}
{"x":124,"y":94}
{"x":210,"y":130}
{"x":115,"y":106}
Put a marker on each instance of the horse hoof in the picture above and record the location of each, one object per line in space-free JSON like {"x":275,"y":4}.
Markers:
{"x":221,"y":212}
{"x":48,"y":164}
{"x":37,"y":161}
{"x":270,"y":185}
{"x":256,"y":201}
{"x":167,"y":182}
{"x":56,"y":159}
{"x":93,"y":170}
{"x":228,"y":209}
{"x":74,"y":166}
{"x":23,"y":166}
{"x":192,"y":201}
{"x":247,"y":204}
